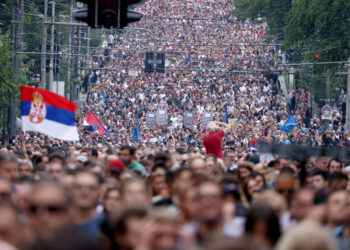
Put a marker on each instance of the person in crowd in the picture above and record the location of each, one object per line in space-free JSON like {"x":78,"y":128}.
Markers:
{"x":213,"y":140}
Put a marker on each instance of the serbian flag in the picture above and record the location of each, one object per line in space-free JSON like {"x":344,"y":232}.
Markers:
{"x":48,"y":113}
{"x":92,"y":123}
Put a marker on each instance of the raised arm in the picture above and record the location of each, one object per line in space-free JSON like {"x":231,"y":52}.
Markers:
{"x":226,"y":127}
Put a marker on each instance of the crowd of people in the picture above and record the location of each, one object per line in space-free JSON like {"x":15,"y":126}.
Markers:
{"x":196,"y":179}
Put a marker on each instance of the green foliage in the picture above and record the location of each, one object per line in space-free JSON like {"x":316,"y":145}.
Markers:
{"x":271,"y":11}
{"x":7,"y":79}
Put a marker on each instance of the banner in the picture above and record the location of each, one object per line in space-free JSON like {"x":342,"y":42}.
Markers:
{"x":162,"y":116}
{"x":207,"y":117}
{"x":189,"y":118}
{"x":151,"y":119}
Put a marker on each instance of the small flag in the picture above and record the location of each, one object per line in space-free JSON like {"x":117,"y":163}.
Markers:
{"x":289,"y":125}
{"x":136,"y":135}
{"x":226,"y":119}
{"x":48,"y":113}
{"x":92,"y":123}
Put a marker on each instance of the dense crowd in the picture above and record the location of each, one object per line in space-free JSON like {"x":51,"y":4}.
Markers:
{"x":182,"y":185}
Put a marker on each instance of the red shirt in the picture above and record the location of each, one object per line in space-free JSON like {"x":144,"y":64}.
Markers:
{"x":213,"y":143}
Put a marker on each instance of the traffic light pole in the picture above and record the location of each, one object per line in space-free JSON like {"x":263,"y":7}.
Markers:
{"x":347,"y":121}
{"x":43,"y":48}
{"x":52,"y":47}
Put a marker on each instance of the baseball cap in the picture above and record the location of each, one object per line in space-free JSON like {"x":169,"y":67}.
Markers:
{"x":116,"y":166}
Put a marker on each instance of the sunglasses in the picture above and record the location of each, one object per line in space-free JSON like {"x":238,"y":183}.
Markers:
{"x":52,"y":209}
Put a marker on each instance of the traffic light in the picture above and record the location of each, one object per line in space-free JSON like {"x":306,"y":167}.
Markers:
{"x":87,"y":15}
{"x":128,"y":16}
{"x":108,"y":13}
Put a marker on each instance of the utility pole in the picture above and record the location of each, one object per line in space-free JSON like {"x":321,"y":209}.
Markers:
{"x":58,"y":53}
{"x":327,"y":97}
{"x":70,"y":39}
{"x":43,"y":48}
{"x":52,"y":46}
{"x":347,"y":121}
{"x":10,"y":110}
{"x":88,"y":45}
{"x":78,"y":59}
{"x":21,"y":34}
{"x":327,"y":86}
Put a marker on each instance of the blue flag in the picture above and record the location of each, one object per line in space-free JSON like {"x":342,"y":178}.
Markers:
{"x":136,"y":135}
{"x":289,"y":125}
{"x":226,"y":119}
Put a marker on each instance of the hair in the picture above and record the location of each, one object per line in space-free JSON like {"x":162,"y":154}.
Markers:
{"x":164,"y":214}
{"x":307,"y":235}
{"x":271,"y":196}
{"x":228,"y":151}
{"x":323,"y":173}
{"x":261,"y":212}
{"x":109,"y":190}
{"x":128,"y":181}
{"x":42,"y":184}
{"x":94,"y":152}
{"x":119,"y":218}
{"x":25,"y":162}
{"x":57,"y":155}
{"x":334,"y":159}
{"x":129,"y":148}
{"x":7,"y":158}
{"x":246,"y":164}
{"x":337,"y":177}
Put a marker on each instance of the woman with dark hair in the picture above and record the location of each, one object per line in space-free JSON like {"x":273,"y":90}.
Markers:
{"x":262,"y":225}
{"x":260,"y":180}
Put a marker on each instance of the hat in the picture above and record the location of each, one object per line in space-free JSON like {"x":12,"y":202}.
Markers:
{"x":82,"y":158}
{"x":116,"y":166}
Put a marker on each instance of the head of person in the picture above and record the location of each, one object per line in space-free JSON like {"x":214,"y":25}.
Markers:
{"x":111,"y":199}
{"x":322,"y":162}
{"x":212,"y":127}
{"x":299,"y":238}
{"x":126,"y":222}
{"x":211,"y":160}
{"x":85,"y":190}
{"x":337,"y":181}
{"x":319,"y":179}
{"x":25,"y":167}
{"x":166,"y":229}
{"x":274,"y":200}
{"x":5,"y":190}
{"x":244,"y":170}
{"x":198,"y":165}
{"x":260,"y":180}
{"x":210,"y":201}
{"x":334,"y":165}
{"x":302,"y":203}
{"x":189,"y":203}
{"x":48,"y":209}
{"x":337,"y":205}
{"x":229,"y":158}
{"x":56,"y":170}
{"x":10,"y":225}
{"x":8,"y":167}
{"x":182,"y":178}
{"x":285,"y":185}
{"x":92,"y":153}
{"x":127,"y":154}
{"x":134,"y":190}
{"x":116,"y":168}
{"x":262,"y":224}
{"x":57,"y":157}
{"x":160,"y":184}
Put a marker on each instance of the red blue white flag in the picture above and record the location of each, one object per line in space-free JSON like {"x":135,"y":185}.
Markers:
{"x":48,"y":113}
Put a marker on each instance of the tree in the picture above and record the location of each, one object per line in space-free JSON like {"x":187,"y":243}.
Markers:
{"x":319,"y":31}
{"x":271,"y":11}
